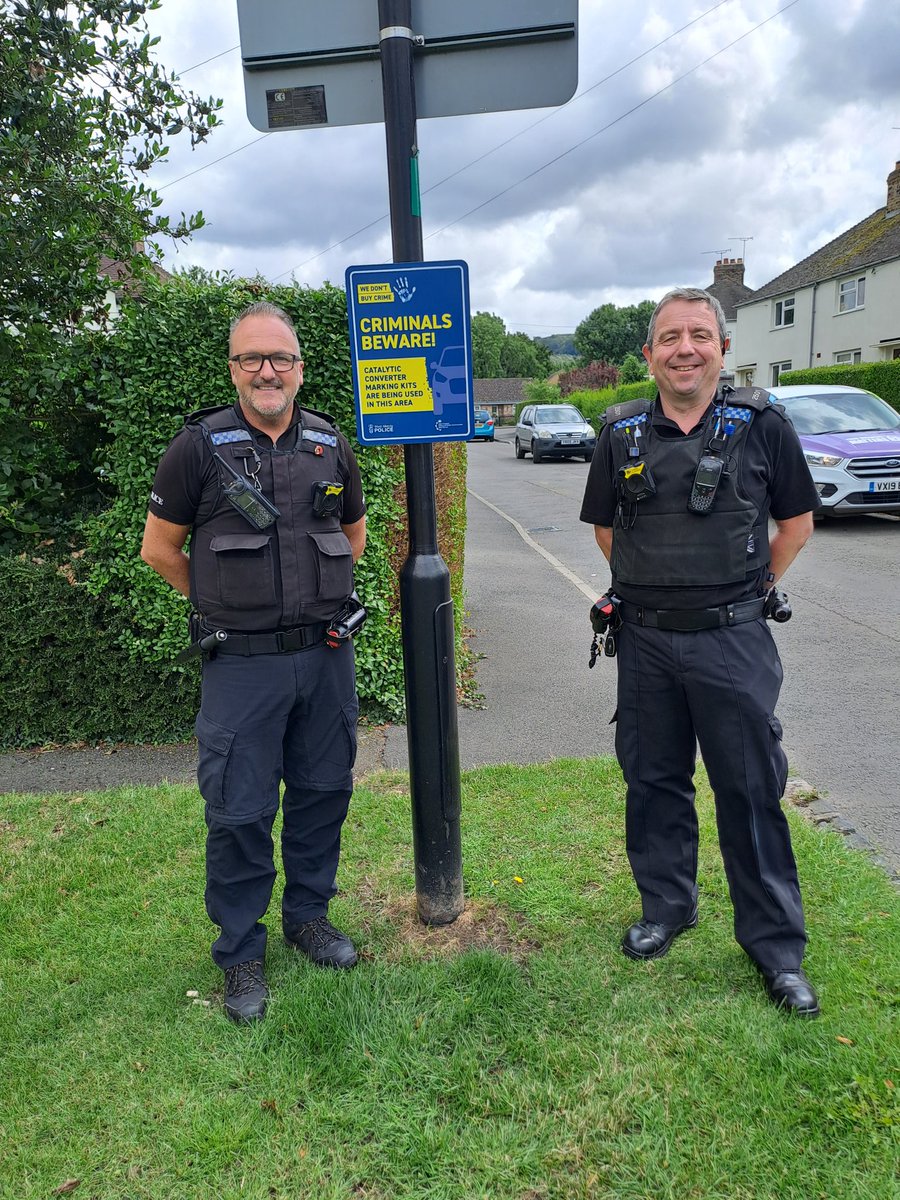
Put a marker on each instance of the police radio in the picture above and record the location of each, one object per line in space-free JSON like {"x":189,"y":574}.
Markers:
{"x":246,"y":499}
{"x":706,"y":481}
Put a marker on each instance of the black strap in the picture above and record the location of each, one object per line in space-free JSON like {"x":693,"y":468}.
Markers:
{"x":689,"y":620}
{"x":281,"y":642}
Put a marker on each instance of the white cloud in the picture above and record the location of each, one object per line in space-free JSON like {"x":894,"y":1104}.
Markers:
{"x":784,"y":139}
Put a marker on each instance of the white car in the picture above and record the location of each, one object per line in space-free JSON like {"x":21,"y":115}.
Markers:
{"x":851,"y":439}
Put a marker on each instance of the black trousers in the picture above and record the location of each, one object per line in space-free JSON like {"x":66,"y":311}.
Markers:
{"x":265,"y":719}
{"x":718,"y":688}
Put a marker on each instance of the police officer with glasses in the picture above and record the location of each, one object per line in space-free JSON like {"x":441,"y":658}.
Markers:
{"x":680,"y":493}
{"x":271,"y":497}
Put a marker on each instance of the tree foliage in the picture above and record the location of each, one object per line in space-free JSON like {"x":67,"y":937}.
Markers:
{"x":610,"y":333}
{"x":85,"y":112}
{"x":497,"y":354}
{"x":633,"y":370}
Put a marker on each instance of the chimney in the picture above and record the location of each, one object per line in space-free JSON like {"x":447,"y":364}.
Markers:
{"x":731,"y":270}
{"x":893,"y":192}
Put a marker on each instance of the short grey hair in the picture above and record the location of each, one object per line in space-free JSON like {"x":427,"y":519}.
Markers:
{"x":263,"y":308}
{"x":699,"y":296}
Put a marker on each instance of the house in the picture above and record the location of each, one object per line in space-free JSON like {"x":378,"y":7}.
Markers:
{"x":841,"y":304}
{"x":729,"y":289}
{"x":119,"y":276}
{"x":499,"y":396}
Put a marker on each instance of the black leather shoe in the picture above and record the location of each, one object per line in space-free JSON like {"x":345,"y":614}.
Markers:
{"x":246,"y":991}
{"x":651,"y":939}
{"x":792,"y":991}
{"x":322,"y":943}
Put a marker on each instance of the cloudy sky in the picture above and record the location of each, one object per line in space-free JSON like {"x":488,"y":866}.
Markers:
{"x":696,"y":124}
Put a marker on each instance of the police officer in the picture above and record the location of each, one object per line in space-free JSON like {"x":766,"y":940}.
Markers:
{"x":271,"y":496}
{"x":680,"y":493}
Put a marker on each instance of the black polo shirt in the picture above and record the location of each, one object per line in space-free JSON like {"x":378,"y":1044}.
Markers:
{"x":774,"y":475}
{"x":187,"y":473}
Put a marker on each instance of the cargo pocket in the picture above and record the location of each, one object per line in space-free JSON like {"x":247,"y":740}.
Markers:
{"x":350,"y":717}
{"x":334,"y":565}
{"x":244,"y":569}
{"x":777,"y":756}
{"x":214,"y":744}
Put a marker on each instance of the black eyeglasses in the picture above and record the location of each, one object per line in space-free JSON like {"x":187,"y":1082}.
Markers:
{"x":253,"y":362}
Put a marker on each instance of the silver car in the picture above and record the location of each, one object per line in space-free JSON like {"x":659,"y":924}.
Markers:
{"x":554,"y":431}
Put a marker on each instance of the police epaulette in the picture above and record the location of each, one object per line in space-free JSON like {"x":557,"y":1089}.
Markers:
{"x":315,"y":412}
{"x":629,"y":408}
{"x":195,"y":417}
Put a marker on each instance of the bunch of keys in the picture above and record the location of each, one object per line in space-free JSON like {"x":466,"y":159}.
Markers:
{"x":604,"y":621}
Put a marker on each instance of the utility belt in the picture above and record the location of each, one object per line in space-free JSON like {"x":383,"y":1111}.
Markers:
{"x":693,"y":619}
{"x":344,"y":625}
{"x":220,"y":641}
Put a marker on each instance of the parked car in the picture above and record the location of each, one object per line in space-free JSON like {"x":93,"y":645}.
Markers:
{"x":484,"y":425}
{"x":851,"y":439}
{"x":554,"y":431}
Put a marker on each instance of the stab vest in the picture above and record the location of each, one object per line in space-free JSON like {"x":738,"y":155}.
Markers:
{"x":657,"y":541}
{"x":299,"y":570}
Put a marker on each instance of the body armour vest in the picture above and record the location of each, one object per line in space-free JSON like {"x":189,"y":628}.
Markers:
{"x":657,"y":541}
{"x":297,"y":571}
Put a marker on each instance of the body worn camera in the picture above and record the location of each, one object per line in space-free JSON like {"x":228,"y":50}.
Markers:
{"x":243,"y":496}
{"x":636,"y":481}
{"x":706,"y":481}
{"x":327,"y":498}
{"x":346,"y":623}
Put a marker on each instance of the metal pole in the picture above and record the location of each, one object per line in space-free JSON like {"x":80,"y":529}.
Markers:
{"x":426,"y":609}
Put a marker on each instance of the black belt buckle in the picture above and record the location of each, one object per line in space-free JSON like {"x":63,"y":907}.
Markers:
{"x":688,"y":621}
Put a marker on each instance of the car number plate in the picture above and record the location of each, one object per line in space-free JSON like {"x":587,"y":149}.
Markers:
{"x":884,"y":485}
{"x":570,"y":441}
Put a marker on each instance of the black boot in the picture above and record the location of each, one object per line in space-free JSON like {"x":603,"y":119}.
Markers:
{"x":246,"y":991}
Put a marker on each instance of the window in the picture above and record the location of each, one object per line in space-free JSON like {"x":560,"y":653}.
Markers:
{"x":848,"y":356}
{"x":778,"y":370}
{"x":784,"y":313}
{"x":851,"y":294}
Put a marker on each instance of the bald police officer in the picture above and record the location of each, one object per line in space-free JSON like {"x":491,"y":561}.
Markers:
{"x":271,"y":496}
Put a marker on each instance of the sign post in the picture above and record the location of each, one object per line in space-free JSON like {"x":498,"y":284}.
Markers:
{"x":426,"y":608}
{"x":309,"y":64}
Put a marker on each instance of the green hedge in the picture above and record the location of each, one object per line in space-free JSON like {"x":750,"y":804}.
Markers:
{"x":102,"y":624}
{"x":882,"y":378}
{"x":64,"y":677}
{"x":594,"y":404}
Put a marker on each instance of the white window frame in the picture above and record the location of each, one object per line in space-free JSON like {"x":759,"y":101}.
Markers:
{"x":783,"y":313}
{"x":776,"y":370}
{"x":848,"y":356}
{"x":851,"y":290}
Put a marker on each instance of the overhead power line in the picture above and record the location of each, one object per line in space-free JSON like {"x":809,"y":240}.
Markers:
{"x":667,"y":87}
{"x":521,"y":133}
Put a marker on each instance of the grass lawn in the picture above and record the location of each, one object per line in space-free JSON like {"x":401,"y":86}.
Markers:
{"x":516,"y":1054}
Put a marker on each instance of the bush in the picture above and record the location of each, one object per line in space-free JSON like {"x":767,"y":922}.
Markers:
{"x":882,"y":378}
{"x":64,"y":677}
{"x":164,"y":359}
{"x":595,"y":403}
{"x":594,"y":376}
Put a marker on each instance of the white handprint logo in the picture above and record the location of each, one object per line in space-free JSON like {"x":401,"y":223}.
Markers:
{"x":402,"y":288}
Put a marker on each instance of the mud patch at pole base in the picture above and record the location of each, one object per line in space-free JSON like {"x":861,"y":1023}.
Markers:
{"x":480,"y":926}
